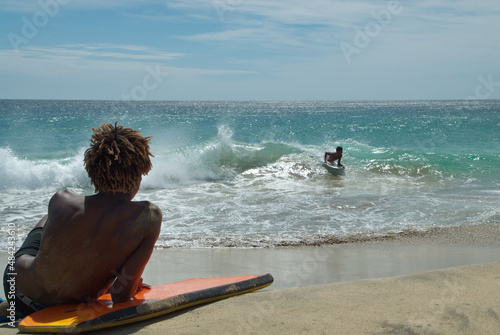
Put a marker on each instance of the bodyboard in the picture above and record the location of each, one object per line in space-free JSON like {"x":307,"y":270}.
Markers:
{"x":146,"y":304}
{"x":334,"y":168}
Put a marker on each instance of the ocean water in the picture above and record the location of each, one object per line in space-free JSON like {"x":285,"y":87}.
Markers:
{"x":249,"y":174}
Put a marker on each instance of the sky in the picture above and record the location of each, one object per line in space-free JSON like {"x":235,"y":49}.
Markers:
{"x":250,"y":49}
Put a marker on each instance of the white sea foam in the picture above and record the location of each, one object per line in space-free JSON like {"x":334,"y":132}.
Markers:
{"x":250,"y":174}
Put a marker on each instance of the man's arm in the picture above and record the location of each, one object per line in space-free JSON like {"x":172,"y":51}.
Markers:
{"x":129,"y":278}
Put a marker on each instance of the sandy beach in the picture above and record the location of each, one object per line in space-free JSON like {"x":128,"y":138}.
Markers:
{"x":440,"y":282}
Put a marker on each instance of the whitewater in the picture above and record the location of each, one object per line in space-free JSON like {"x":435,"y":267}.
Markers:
{"x":249,"y":174}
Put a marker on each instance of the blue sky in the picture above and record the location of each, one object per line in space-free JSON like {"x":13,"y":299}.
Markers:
{"x":249,"y":49}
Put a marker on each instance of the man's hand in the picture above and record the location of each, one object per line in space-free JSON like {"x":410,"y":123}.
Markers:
{"x":142,"y":286}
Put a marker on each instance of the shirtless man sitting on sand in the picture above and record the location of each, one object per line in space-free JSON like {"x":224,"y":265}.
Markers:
{"x":333,"y":156}
{"x":87,"y":245}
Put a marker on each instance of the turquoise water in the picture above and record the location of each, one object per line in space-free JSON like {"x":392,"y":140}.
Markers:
{"x":249,"y":173}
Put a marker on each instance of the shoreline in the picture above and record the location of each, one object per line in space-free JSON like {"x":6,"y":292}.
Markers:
{"x":440,"y":281}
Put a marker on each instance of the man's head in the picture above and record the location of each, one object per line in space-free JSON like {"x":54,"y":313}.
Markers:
{"x":339,"y":149}
{"x":117,"y":158}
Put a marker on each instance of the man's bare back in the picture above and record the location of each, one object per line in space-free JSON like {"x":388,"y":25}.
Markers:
{"x":86,"y":243}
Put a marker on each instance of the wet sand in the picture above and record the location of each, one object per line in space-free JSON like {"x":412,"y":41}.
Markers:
{"x":380,"y":286}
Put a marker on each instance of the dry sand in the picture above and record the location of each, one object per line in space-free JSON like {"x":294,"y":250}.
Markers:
{"x":339,"y":289}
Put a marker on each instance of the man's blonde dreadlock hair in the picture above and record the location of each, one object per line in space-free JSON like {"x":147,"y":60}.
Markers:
{"x":117,"y":158}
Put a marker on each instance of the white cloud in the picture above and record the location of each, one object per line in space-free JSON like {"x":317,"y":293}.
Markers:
{"x":274,"y":37}
{"x":91,"y":50}
{"x":109,"y":50}
{"x":79,"y":58}
{"x":339,"y":13}
{"x":321,"y":25}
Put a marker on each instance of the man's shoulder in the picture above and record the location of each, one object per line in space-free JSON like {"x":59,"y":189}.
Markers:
{"x":64,"y":192}
{"x":150,"y":216}
{"x":66,"y":199}
{"x":149,"y":206}
{"x":154,"y":211}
